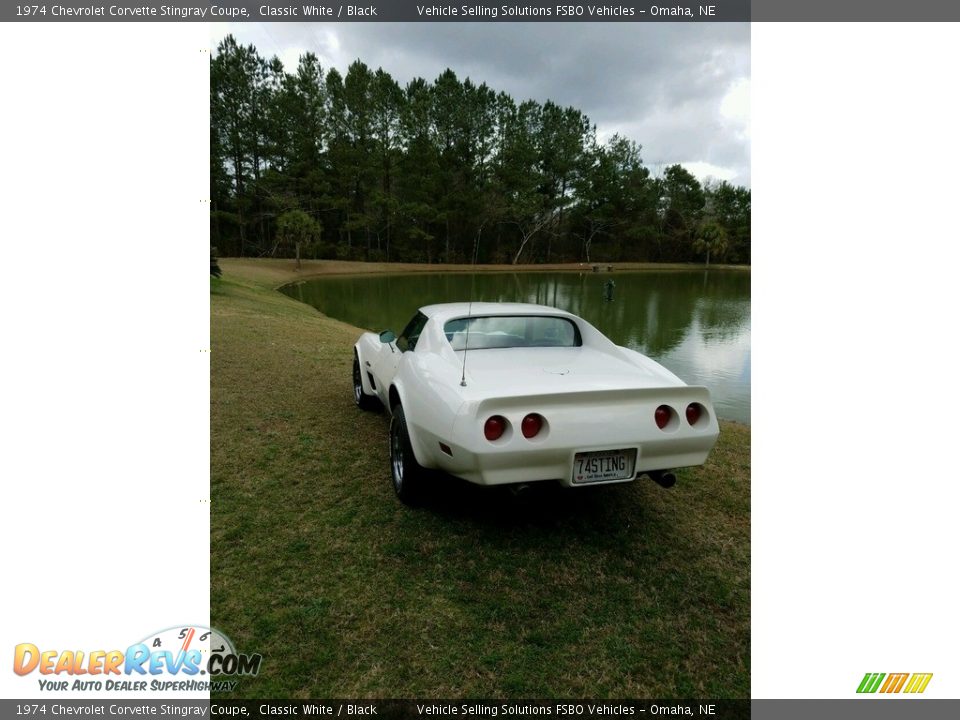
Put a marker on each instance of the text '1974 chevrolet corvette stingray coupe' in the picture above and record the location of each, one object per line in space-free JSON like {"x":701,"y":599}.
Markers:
{"x":511,"y":393}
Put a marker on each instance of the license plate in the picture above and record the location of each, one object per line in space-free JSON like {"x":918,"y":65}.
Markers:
{"x":603,"y":466}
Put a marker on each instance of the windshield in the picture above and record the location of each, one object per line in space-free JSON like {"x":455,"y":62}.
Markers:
{"x":510,"y":331}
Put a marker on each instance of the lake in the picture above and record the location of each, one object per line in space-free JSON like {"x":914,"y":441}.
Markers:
{"x":695,"y":323}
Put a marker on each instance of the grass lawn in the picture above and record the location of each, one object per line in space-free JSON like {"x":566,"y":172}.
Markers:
{"x":628,"y":591}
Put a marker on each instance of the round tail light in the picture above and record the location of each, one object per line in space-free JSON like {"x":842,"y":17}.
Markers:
{"x":662,"y":416}
{"x":694,"y":411}
{"x":494,"y":428}
{"x":531,"y":425}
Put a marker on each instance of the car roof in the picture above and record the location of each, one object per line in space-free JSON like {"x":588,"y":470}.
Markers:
{"x":447,"y":311}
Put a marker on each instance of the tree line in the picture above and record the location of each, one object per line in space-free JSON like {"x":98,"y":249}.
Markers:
{"x":318,"y":164}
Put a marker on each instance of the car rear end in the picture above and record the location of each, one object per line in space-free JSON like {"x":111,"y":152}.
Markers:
{"x":580,"y":438}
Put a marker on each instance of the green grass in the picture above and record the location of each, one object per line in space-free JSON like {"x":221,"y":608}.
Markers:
{"x":619,"y":591}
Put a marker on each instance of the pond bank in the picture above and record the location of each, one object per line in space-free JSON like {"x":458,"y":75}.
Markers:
{"x":277,"y":272}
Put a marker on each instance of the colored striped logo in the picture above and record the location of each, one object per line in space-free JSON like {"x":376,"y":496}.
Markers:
{"x":894,"y":682}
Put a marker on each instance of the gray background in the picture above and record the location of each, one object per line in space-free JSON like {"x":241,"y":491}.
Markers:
{"x":405,"y":10}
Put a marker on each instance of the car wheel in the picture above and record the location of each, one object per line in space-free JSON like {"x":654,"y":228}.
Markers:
{"x":405,"y":471}
{"x":363,"y":401}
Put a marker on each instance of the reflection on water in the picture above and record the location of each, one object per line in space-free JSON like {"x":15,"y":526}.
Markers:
{"x":695,"y":323}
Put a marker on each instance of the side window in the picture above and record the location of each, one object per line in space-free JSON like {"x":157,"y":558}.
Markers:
{"x":411,"y":333}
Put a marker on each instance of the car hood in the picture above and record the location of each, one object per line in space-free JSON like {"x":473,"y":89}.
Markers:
{"x":549,"y":370}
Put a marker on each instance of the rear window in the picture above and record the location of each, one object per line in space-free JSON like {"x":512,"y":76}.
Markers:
{"x":510,"y":331}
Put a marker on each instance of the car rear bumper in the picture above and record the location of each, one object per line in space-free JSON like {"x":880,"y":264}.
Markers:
{"x":573,"y":422}
{"x":522,"y":461}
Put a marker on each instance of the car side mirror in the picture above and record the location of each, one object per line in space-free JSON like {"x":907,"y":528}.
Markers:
{"x":387,"y":336}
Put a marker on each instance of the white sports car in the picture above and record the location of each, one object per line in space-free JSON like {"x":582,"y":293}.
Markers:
{"x":500,"y":393}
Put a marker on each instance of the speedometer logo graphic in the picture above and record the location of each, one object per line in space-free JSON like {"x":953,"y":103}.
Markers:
{"x":203,"y":647}
{"x":180,"y":640}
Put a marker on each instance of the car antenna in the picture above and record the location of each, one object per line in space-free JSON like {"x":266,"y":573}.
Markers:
{"x":466,"y":346}
{"x":466,"y":342}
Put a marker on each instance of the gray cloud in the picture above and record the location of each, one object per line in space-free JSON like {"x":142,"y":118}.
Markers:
{"x":681,"y":90}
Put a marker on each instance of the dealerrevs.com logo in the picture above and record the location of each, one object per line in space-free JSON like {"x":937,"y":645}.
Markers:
{"x":894,"y":683}
{"x":183,"y":658}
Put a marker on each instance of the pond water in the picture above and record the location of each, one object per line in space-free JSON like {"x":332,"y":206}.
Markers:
{"x":696,"y":323}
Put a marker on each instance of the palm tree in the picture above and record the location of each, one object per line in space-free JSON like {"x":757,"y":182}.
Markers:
{"x":711,"y":238}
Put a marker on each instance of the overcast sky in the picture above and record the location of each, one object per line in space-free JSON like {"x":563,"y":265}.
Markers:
{"x":681,"y":90}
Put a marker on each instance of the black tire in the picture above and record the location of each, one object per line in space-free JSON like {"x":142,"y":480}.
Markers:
{"x":406,"y":473}
{"x":363,"y":401}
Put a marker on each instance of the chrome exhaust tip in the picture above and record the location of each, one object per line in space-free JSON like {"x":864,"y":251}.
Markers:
{"x":664,"y":479}
{"x":520,"y":490}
